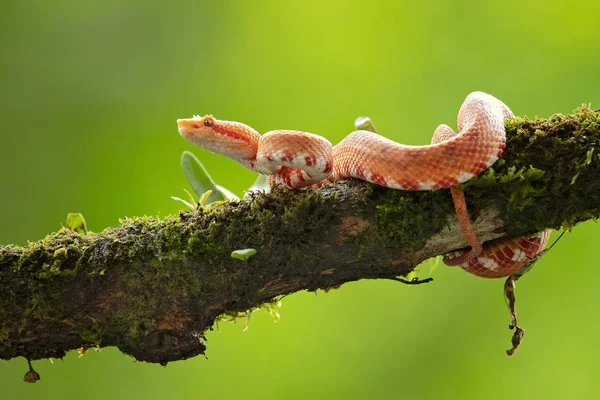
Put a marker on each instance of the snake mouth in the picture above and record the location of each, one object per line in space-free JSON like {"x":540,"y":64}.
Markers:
{"x":187,"y":126}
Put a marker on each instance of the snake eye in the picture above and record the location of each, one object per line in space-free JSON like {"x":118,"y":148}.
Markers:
{"x":208,"y":122}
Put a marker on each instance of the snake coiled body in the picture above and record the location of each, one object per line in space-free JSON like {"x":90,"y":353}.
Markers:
{"x":296,"y":159}
{"x":450,"y":160}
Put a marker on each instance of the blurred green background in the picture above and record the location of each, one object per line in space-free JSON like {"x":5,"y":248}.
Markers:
{"x":90,"y":92}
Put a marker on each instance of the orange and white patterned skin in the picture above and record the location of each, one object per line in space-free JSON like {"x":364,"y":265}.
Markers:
{"x":504,"y":257}
{"x":289,"y":158}
{"x":298,"y":159}
{"x":450,"y":160}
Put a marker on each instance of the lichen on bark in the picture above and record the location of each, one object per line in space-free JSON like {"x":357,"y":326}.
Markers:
{"x":152,"y":286}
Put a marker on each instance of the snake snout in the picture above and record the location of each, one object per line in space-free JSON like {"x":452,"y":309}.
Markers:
{"x":187,"y":126}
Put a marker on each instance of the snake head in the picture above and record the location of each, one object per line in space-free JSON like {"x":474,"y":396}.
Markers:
{"x":196,"y":127}
{"x":232,"y":139}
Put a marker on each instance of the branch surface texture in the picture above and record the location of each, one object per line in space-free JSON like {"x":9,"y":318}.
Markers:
{"x":152,"y":287}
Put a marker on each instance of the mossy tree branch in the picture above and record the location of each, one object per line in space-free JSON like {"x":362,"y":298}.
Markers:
{"x":152,"y":287}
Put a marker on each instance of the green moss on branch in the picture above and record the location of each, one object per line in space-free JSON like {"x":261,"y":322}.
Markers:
{"x":152,"y":287}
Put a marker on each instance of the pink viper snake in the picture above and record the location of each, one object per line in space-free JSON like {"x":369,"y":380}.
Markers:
{"x":296,"y":159}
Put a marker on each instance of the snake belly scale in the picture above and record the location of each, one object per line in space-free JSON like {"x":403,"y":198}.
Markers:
{"x":296,"y":159}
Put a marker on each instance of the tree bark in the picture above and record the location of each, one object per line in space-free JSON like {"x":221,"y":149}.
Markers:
{"x":152,"y":287}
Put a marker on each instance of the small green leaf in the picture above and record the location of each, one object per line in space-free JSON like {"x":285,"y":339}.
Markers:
{"x":187,"y":204}
{"x":205,"y":196}
{"x":200,"y":179}
{"x":191,"y":198}
{"x":244,"y":254}
{"x":76,"y":223}
{"x":364,"y":124}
